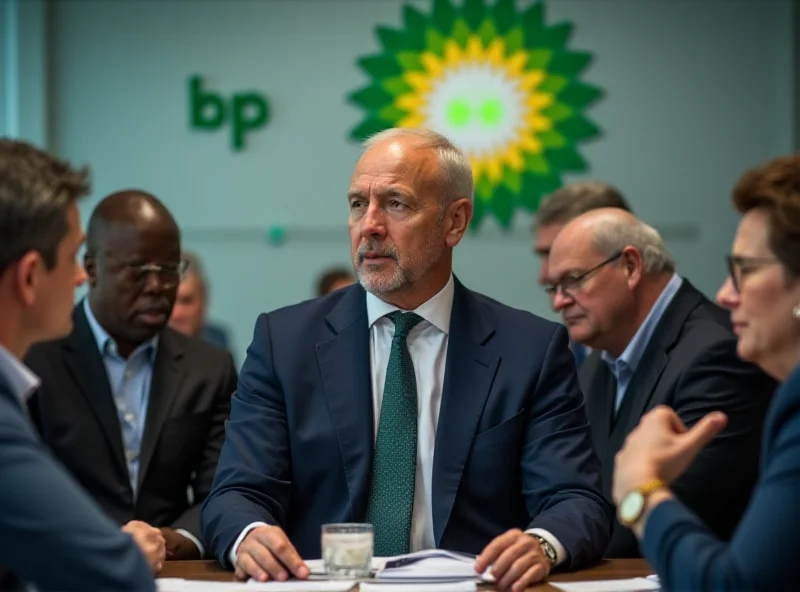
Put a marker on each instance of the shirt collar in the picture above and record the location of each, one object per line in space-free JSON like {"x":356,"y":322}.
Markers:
{"x":22,"y":382}
{"x":436,"y":310}
{"x":635,"y":348}
{"x":106,"y":343}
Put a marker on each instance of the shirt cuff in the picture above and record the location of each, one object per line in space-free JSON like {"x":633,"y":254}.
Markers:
{"x":192,"y":538}
{"x":561,"y":552}
{"x":240,"y":538}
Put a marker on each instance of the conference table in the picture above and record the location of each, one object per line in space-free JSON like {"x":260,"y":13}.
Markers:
{"x":610,"y":569}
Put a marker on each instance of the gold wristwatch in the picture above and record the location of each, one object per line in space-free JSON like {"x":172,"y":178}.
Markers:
{"x":631,"y":507}
{"x":548,"y":549}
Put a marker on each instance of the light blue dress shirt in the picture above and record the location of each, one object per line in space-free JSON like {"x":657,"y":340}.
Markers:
{"x":130,"y":386}
{"x":624,"y":367}
{"x":22,"y":382}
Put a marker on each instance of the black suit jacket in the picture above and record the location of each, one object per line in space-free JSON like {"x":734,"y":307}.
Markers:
{"x":74,"y":411}
{"x":691,"y":365}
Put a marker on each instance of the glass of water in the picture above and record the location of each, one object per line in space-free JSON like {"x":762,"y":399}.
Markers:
{"x":347,"y":550}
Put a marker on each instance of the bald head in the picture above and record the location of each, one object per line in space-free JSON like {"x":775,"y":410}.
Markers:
{"x":132,"y":209}
{"x":133,"y":260}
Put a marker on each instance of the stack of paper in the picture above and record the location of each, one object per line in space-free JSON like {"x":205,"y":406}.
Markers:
{"x":430,"y":566}
{"x":435,"y":565}
{"x":647,"y":584}
{"x":182,"y":585}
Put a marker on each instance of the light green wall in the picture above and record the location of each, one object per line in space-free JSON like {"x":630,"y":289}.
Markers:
{"x":695,"y":92}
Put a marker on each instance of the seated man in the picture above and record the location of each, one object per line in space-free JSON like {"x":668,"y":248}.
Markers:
{"x":458,"y":424}
{"x":555,"y":211}
{"x":133,"y":409}
{"x":191,"y":306}
{"x":52,"y":536}
{"x":657,"y":341}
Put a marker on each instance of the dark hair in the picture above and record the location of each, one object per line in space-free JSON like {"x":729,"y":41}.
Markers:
{"x":330,"y":277}
{"x":35,"y":190}
{"x":574,"y":199}
{"x":775,"y":186}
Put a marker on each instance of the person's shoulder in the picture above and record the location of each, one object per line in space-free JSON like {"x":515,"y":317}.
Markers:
{"x":508,"y":316}
{"x":317,"y":308}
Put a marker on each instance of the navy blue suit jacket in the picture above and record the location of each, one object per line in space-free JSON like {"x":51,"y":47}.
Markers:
{"x":51,"y":534}
{"x":513,"y":448}
{"x":763,"y":553}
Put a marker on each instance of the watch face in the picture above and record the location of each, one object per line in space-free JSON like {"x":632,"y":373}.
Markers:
{"x":631,"y":506}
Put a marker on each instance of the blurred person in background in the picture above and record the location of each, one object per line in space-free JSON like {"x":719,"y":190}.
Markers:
{"x":657,"y":340}
{"x":334,"y":278}
{"x":762,"y":293}
{"x":559,"y":208}
{"x":189,"y":315}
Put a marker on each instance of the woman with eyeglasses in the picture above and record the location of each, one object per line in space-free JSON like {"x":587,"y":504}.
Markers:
{"x":763,"y":294}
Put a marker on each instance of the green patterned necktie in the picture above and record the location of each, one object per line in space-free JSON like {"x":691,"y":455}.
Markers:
{"x":394,"y":466}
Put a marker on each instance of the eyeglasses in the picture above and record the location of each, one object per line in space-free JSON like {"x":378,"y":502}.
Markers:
{"x":572,"y":283}
{"x":740,"y":267}
{"x":169,"y":274}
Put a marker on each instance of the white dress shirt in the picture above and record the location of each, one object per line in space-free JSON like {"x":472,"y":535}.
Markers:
{"x":427,"y":344}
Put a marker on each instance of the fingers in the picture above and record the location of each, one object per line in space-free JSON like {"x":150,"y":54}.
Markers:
{"x":266,"y":553}
{"x":494,"y":549}
{"x":524,"y":561}
{"x":276,"y":541}
{"x":705,"y":430}
{"x":509,"y":557}
{"x":246,"y":567}
{"x":534,"y":575}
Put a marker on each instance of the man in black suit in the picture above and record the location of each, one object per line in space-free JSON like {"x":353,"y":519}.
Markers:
{"x":133,"y":409}
{"x":657,"y":341}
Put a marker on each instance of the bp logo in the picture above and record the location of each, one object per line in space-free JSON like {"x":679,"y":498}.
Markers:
{"x":501,"y":84}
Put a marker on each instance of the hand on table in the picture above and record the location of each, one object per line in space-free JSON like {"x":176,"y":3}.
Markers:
{"x":178,"y":546}
{"x":517,"y":561}
{"x":266,"y":554}
{"x":150,"y":541}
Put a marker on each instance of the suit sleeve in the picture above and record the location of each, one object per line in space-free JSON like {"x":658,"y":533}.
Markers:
{"x":204,"y":473}
{"x":561,"y":472}
{"x":718,"y":483}
{"x":762,"y":555}
{"x":51,"y":534}
{"x":252,"y":479}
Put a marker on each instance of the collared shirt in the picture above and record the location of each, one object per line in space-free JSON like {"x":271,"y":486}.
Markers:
{"x":624,"y":367}
{"x":130,"y":381}
{"x":427,"y":345}
{"x":130,"y":386}
{"x":22,"y":382}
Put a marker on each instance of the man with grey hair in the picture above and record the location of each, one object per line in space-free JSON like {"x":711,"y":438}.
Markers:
{"x":565,"y":204}
{"x":657,"y":341}
{"x":556,"y":210}
{"x":441,"y":417}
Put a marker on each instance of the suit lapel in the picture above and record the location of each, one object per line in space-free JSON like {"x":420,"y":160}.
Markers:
{"x":652,"y":363}
{"x":469,"y":372}
{"x":344,"y":362}
{"x":165,"y":386}
{"x":85,"y":364}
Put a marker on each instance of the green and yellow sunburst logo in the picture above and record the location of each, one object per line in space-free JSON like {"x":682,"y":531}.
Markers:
{"x":499,"y":83}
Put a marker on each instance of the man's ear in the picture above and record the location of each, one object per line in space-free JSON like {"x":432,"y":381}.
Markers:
{"x":28,"y":275}
{"x":633,"y":265}
{"x":90,"y":267}
{"x":458,"y":215}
